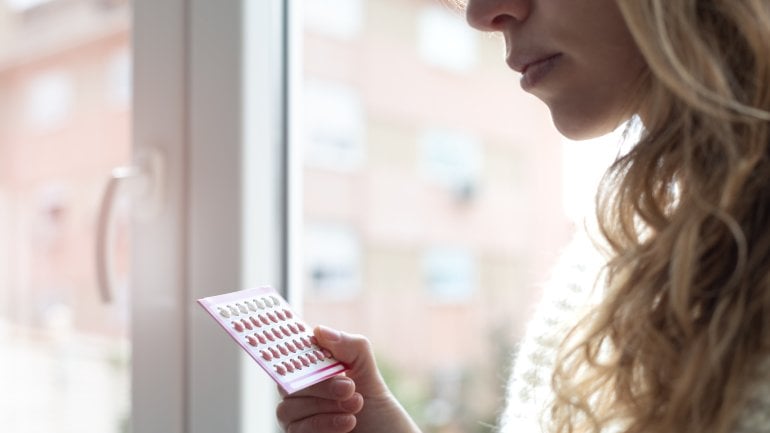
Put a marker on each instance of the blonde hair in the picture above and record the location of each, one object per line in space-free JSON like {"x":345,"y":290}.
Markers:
{"x":685,"y":320}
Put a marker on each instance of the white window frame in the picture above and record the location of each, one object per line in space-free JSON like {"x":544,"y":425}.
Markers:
{"x":209,"y":93}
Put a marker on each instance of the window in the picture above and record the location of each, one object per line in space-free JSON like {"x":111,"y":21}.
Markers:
{"x":452,"y":159}
{"x":450,"y":274}
{"x":445,"y":40}
{"x":373,"y":240}
{"x":332,"y":261}
{"x":441,"y":212}
{"x":341,"y":19}
{"x":65,"y":355}
{"x":118,"y":77}
{"x":22,"y":5}
{"x":334,"y":125}
{"x":70,"y":359}
{"x":49,"y":99}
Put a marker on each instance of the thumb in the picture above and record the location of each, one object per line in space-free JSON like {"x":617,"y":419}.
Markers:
{"x":355,"y":351}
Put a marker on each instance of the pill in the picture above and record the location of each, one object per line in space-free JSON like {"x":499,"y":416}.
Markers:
{"x":266,"y":355}
{"x":251,"y":340}
{"x":254,"y":321}
{"x":241,"y":308}
{"x":285,"y":331}
{"x":275,"y":353}
{"x":224,"y":313}
{"x":237,"y":326}
{"x":280,"y":369}
{"x":288,"y":313}
{"x":304,"y":361}
{"x":247,"y":324}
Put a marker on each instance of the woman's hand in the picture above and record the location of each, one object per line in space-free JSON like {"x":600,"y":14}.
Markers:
{"x":358,"y":401}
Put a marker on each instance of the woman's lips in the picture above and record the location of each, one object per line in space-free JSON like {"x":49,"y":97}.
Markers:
{"x":532,"y":72}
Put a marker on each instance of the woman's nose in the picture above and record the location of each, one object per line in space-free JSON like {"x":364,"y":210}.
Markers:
{"x":494,"y":15}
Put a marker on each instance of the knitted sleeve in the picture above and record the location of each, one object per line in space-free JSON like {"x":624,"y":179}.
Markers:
{"x":565,"y":295}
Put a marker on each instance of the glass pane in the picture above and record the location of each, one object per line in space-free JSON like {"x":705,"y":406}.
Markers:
{"x":434,"y":191}
{"x":65,"y":110}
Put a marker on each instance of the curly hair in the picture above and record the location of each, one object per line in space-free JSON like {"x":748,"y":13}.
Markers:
{"x":685,"y":317}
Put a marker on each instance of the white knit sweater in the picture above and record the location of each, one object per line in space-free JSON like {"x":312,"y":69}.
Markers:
{"x":565,"y":296}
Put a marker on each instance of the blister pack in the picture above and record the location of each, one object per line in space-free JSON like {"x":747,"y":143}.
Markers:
{"x":266,"y":327}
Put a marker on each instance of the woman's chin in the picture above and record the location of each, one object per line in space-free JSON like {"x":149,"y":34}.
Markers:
{"x":581,"y":128}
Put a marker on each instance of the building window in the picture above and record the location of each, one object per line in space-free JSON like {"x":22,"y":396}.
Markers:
{"x":452,"y":159}
{"x":49,"y":99}
{"x":332,"y":260}
{"x":334,"y":125}
{"x":450,"y":274}
{"x":118,"y":76}
{"x":445,"y":40}
{"x":23,"y":5}
{"x":341,"y":19}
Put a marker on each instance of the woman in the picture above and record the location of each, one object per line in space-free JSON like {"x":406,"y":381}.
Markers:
{"x":679,"y":340}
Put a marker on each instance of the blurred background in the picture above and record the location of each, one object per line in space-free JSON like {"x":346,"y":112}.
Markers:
{"x":65,"y":113}
{"x":436,"y":196}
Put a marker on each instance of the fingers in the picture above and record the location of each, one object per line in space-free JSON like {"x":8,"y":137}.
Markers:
{"x":335,"y":388}
{"x":327,"y":407}
{"x":323,"y":423}
{"x":295,"y":409}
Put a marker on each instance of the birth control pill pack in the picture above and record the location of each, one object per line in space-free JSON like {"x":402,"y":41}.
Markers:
{"x":266,"y":327}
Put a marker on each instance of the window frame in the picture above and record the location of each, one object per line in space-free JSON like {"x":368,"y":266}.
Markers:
{"x":209,"y":95}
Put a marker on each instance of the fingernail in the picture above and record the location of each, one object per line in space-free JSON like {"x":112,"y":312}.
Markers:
{"x":341,"y":388}
{"x":329,"y":334}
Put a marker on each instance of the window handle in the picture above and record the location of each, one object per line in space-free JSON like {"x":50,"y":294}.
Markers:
{"x":142,"y":181}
